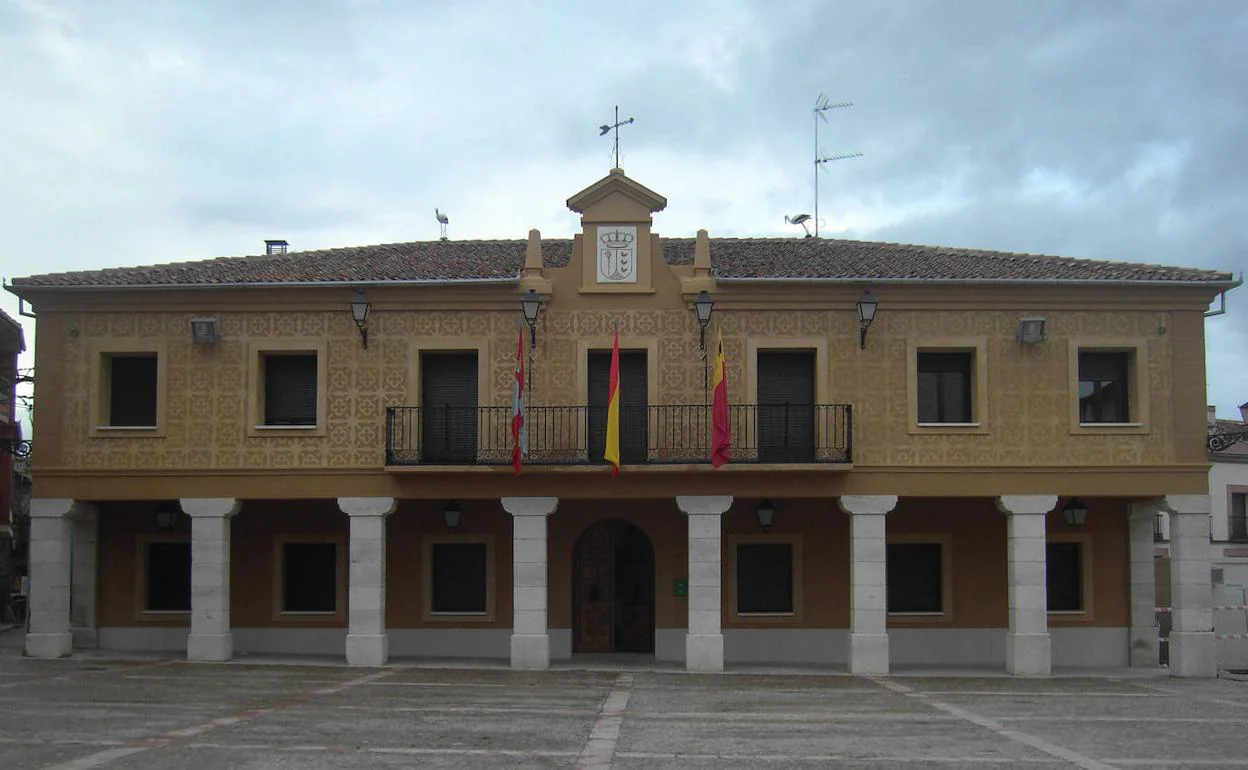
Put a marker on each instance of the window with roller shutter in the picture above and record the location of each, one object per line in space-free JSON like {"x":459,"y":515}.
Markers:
{"x":786,"y":406}
{"x":448,"y":407}
{"x":634,"y":401}
{"x":290,"y":389}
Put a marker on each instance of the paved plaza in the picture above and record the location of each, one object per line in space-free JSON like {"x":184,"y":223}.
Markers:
{"x":146,"y":712}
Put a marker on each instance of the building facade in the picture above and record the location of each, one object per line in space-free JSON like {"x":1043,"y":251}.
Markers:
{"x":1228,"y":532}
{"x":940,"y":456}
{"x":12,"y":447}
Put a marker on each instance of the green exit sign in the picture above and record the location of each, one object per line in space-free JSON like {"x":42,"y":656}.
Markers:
{"x":681,"y":587}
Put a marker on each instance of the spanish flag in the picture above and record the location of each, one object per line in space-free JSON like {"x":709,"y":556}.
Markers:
{"x":721,"y":430}
{"x":519,"y":433}
{"x":612,"y":452}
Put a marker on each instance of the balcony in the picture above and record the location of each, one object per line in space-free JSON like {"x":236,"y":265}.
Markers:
{"x":651,"y":435}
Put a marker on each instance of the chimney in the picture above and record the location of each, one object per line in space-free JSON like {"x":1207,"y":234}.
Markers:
{"x":275,"y":247}
{"x":1211,"y":415}
{"x":1243,"y":412}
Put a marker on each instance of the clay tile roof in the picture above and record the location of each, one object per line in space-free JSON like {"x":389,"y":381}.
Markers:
{"x":731,"y":258}
{"x":829,"y":258}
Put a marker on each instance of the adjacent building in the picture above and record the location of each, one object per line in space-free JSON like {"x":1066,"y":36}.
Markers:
{"x":12,"y":446}
{"x":939,"y":456}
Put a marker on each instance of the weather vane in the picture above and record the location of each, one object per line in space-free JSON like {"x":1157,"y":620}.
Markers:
{"x":604,"y":129}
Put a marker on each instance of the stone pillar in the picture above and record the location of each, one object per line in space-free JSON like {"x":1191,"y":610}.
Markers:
{"x":1144,"y":631}
{"x":210,"y":638}
{"x":530,"y":636}
{"x":868,"y":581}
{"x":1191,"y":590}
{"x":704,"y":640}
{"x":367,"y":642}
{"x":49,"y":635}
{"x":1028,"y":650}
{"x":82,"y":597}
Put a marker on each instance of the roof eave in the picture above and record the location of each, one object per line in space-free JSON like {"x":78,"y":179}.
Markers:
{"x":1220,"y":285}
{"x":19,"y":289}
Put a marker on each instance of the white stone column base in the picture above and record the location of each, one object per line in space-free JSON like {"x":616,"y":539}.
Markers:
{"x":209,"y":648}
{"x":84,"y":638}
{"x":704,"y":652}
{"x":367,"y":649}
{"x":868,"y":654}
{"x":530,"y":651}
{"x":49,"y":645}
{"x":1191,"y":654}
{"x":1028,"y":654}
{"x":1145,"y":651}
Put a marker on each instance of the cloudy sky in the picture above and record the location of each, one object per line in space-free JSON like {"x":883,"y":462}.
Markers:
{"x":137,"y":132}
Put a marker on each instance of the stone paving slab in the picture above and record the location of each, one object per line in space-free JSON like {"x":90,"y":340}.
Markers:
{"x":148,"y":712}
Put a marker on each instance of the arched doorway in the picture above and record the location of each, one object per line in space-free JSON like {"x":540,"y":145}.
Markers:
{"x":613,"y":589}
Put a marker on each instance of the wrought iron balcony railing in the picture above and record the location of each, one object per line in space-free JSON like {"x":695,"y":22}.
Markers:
{"x":576,"y":435}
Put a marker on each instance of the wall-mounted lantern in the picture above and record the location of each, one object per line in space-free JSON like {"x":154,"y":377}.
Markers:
{"x":167,"y":516}
{"x":1076,"y":512}
{"x":531,"y":304}
{"x":866,"y":315}
{"x":360,"y":308}
{"x":452,"y":514}
{"x":703,"y":304}
{"x":766,"y":515}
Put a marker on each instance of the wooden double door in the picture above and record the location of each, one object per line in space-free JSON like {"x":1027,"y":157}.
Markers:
{"x":613,"y":589}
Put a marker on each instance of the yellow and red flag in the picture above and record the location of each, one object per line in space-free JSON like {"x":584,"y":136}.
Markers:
{"x":721,"y":429}
{"x":612,"y":451}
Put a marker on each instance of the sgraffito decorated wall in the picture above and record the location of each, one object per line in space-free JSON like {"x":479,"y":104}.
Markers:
{"x":1026,"y":417}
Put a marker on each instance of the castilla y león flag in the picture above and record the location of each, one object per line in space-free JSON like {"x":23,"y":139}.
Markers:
{"x":612,"y":451}
{"x":721,"y":431}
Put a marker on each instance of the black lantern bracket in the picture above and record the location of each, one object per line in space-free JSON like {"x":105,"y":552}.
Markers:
{"x":1220,"y":442}
{"x":866,"y":307}
{"x":16,"y":446}
{"x":531,"y":306}
{"x":360,"y":310}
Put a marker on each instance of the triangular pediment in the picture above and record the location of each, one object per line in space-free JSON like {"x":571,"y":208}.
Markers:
{"x":616,"y":183}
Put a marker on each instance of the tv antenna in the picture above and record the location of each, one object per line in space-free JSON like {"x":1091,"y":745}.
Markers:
{"x":822,"y":105}
{"x":604,"y":129}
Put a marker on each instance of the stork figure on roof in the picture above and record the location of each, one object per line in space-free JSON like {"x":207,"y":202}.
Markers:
{"x":443,"y":221}
{"x":799,"y":219}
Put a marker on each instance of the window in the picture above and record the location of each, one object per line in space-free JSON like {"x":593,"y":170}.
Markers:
{"x":786,"y":406}
{"x":290,"y":389}
{"x":765,"y":578}
{"x":634,"y":400}
{"x":448,"y":406}
{"x":1237,"y":525}
{"x":167,"y":576}
{"x":944,"y":386}
{"x":1104,"y":387}
{"x":131,"y":385}
{"x":915,"y":578}
{"x":287,"y":385}
{"x":309,"y":577}
{"x":1064,"y":576}
{"x":458,"y":578}
{"x":459,"y":573}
